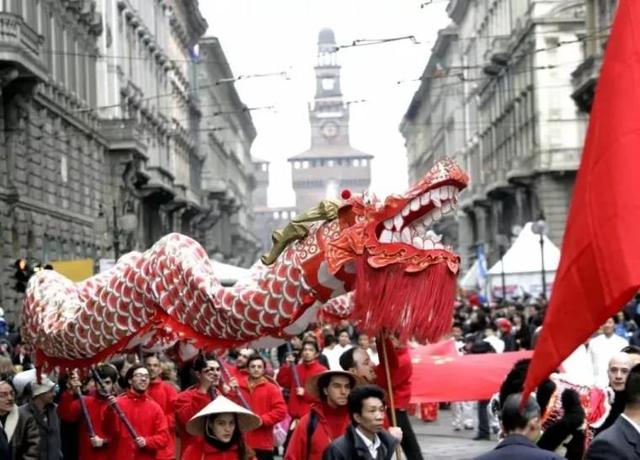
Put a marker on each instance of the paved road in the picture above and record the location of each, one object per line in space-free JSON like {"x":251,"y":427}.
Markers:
{"x":438,"y":441}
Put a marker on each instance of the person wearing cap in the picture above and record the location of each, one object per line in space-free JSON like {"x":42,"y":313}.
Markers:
{"x":43,"y":410}
{"x":97,"y":447}
{"x":165,"y":395}
{"x":18,"y":427}
{"x":265,"y":400}
{"x":506,"y":334}
{"x":192,"y":400}
{"x":327,"y":420}
{"x":217,"y":432}
{"x":144,"y":414}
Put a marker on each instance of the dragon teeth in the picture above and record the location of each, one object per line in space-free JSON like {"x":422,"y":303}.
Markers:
{"x":425,"y":199}
{"x":398,"y":221}
{"x":405,"y":236}
{"x":385,"y":236}
{"x":415,"y":204}
{"x":406,"y":210}
{"x":388,"y":224}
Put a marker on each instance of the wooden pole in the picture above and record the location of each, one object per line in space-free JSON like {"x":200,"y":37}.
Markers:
{"x":387,"y":372}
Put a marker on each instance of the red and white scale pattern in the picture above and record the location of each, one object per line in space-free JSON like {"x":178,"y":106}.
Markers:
{"x":69,"y":321}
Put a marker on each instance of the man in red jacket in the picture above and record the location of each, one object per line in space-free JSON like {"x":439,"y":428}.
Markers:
{"x":191,"y":401}
{"x":300,"y":401}
{"x":99,"y":446}
{"x":327,"y":419}
{"x":165,"y":395}
{"x":144,"y":414}
{"x":266,"y":401}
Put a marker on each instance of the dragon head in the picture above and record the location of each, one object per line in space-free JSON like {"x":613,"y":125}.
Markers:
{"x":405,"y":274}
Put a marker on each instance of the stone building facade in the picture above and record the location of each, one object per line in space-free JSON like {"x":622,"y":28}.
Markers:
{"x":52,"y":157}
{"x":149,"y":115}
{"x":225,"y":137}
{"x":101,"y":115}
{"x":599,"y":16}
{"x":496,"y":96}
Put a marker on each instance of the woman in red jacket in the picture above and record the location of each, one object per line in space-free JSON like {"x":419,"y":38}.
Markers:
{"x":217,"y":430}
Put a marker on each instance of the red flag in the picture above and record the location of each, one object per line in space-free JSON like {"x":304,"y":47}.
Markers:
{"x":600,"y":262}
{"x":452,"y":377}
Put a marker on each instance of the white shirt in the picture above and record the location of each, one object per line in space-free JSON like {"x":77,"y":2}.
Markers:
{"x":333,"y":356}
{"x":633,"y":424}
{"x":371,"y":445}
{"x":578,"y":366}
{"x":601,"y":350}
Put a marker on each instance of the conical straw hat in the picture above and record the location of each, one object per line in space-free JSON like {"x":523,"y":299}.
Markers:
{"x":247,"y":420}
{"x":311,"y":385}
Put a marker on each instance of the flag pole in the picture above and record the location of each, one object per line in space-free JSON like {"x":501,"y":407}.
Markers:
{"x":387,"y":372}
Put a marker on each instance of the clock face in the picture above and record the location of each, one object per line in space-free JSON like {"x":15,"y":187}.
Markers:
{"x":329,"y":129}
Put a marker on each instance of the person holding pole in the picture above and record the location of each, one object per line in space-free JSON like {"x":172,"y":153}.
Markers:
{"x":192,"y":400}
{"x":138,"y":429}
{"x":89,"y":410}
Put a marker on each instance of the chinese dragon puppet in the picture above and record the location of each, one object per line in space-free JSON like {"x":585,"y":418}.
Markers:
{"x":398,"y":274}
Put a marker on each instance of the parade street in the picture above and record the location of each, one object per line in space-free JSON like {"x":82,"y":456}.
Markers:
{"x":438,"y":441}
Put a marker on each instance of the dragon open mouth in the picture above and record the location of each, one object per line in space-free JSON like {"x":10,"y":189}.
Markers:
{"x":412,"y":224}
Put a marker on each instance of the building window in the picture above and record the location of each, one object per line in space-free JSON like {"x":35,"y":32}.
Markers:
{"x":276,"y":215}
{"x":356,"y":162}
{"x":296,"y":165}
{"x":330,"y":163}
{"x":328,"y":84}
{"x":305,"y":164}
{"x":264,"y":167}
{"x":363,"y":162}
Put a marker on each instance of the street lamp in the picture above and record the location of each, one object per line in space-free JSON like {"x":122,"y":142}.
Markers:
{"x":502,"y":241}
{"x":540,"y":227}
{"x":123,"y":225}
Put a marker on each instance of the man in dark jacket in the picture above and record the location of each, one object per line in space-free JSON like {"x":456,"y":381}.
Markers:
{"x":365,"y":438}
{"x":522,"y":428}
{"x":622,"y":440}
{"x":43,"y":410}
{"x":18,"y":430}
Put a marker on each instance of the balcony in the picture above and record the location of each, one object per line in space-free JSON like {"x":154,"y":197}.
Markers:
{"x":21,"y":47}
{"x":559,"y":160}
{"x":584,"y":80}
{"x":495,"y":180}
{"x":124,"y":134}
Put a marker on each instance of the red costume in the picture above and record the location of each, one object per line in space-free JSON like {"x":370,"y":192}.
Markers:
{"x":299,"y":406}
{"x":147,"y":418}
{"x":266,"y":401}
{"x":69,"y":410}
{"x":187,"y":404}
{"x":202,"y":450}
{"x":331,"y":424}
{"x":165,"y":395}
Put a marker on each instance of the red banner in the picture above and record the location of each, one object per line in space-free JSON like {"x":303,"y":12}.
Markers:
{"x":441,"y":375}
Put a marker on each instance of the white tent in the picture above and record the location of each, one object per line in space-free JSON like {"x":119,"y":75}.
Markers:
{"x":228,"y":274}
{"x":473,"y":279}
{"x":522,"y":266}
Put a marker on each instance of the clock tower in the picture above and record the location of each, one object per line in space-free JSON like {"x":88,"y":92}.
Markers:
{"x":331,"y":164}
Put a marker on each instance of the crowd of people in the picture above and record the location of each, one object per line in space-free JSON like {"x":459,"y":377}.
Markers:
{"x":321,"y":395}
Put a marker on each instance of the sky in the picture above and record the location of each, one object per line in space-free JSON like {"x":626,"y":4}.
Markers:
{"x":271,"y":36}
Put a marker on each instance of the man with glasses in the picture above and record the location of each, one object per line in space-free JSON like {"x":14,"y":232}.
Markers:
{"x":70,"y":410}
{"x":265,"y":400}
{"x":191,"y":401}
{"x":145,"y":416}
{"x":365,"y":438}
{"x":18,"y":429}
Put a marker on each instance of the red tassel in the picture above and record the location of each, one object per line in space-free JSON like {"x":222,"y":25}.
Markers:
{"x":418,"y":305}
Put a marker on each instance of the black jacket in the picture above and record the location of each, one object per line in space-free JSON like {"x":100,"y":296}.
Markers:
{"x":620,"y":442}
{"x":518,"y":447}
{"x":351,"y":446}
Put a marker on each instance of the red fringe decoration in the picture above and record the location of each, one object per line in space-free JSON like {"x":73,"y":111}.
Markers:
{"x":418,"y":305}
